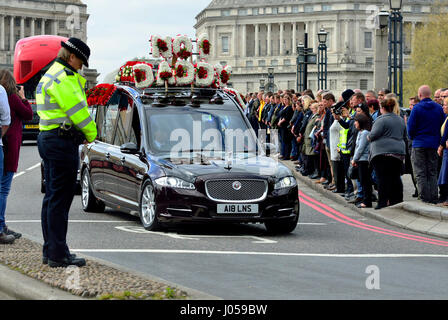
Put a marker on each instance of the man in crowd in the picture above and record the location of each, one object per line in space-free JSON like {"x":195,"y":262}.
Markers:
{"x":423,"y":126}
{"x":437,"y":97}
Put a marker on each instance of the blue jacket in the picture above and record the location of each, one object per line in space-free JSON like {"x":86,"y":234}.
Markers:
{"x":424,"y":124}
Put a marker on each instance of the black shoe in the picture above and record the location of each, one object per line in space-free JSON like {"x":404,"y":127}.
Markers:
{"x":6,"y":238}
{"x":415,"y":195}
{"x":45,"y":259}
{"x":378,"y":207}
{"x":314,"y":176}
{"x":9,"y":232}
{"x":64,"y":263}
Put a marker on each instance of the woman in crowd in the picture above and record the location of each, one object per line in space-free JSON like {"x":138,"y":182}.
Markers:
{"x":285,"y":117}
{"x":311,"y":164}
{"x":387,"y":153}
{"x":443,"y":152}
{"x":20,"y":110}
{"x":361,"y":158}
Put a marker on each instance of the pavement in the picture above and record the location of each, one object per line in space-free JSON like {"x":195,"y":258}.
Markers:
{"x":412,"y":214}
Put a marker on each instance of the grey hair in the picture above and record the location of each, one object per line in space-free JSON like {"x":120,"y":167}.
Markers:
{"x":64,"y":54}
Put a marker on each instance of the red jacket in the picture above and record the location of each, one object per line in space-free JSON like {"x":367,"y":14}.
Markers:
{"x":20,"y":111}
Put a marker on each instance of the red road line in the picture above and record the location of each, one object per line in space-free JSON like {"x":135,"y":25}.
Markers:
{"x":357,"y":224}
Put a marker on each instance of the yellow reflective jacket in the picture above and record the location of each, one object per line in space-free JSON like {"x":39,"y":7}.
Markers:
{"x":343,"y":137}
{"x":61,"y":98}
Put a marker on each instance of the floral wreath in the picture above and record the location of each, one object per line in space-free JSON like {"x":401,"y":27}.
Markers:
{"x":100,"y":95}
{"x":204,"y":46}
{"x":184,"y":71}
{"x":165,"y":74}
{"x":182,"y":47}
{"x":205,"y":74}
{"x":143,"y":75}
{"x":224,"y":76}
{"x":162,"y":47}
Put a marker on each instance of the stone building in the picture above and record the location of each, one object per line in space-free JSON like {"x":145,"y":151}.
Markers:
{"x":25,"y":18}
{"x":253,"y":35}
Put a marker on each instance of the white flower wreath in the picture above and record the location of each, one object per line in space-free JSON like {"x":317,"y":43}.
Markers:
{"x":218,"y":70}
{"x":210,"y":76}
{"x":156,"y":52}
{"x":228,"y":70}
{"x":147,"y":70}
{"x":188,"y":76}
{"x":201,"y":40}
{"x":165,"y":67}
{"x":177,"y":46}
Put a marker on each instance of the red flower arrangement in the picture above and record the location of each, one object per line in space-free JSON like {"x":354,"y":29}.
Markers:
{"x":100,"y":95}
{"x":126,"y":73}
{"x":180,"y":71}
{"x":206,"y":46}
{"x":162,"y":45}
{"x":202,"y":73}
{"x":139,"y":75}
{"x":225,"y":76}
{"x":165,"y":75}
{"x":184,"y":54}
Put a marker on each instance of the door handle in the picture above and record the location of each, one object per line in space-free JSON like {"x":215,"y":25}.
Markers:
{"x":123,"y":160}
{"x":108,"y":155}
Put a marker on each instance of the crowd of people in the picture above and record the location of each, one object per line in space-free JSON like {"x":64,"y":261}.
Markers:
{"x":359,"y":145}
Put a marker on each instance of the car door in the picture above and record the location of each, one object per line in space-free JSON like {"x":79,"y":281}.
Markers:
{"x":128,"y":168}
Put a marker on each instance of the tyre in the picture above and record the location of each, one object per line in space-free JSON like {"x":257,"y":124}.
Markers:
{"x":148,"y":215}
{"x":281,"y":226}
{"x":89,"y":202}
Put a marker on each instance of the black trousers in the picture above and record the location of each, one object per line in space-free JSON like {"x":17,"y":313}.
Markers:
{"x":390,"y":187}
{"x":339,"y":176}
{"x":345,"y":159}
{"x":61,"y":162}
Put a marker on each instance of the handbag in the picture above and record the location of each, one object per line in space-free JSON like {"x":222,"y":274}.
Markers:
{"x":353,"y":172}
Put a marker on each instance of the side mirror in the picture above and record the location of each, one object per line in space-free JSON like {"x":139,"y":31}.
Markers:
{"x":129,"y":148}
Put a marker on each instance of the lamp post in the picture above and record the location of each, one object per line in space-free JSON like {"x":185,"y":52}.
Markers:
{"x":380,"y":65}
{"x":262,"y":83}
{"x":300,"y":67}
{"x":270,"y":79}
{"x":322,"y":63}
{"x":396,"y":50}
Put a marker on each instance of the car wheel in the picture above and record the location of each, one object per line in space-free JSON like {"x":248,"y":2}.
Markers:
{"x":88,"y":200}
{"x":148,"y":214}
{"x":281,"y":226}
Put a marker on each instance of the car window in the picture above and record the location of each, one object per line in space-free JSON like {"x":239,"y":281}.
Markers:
{"x":106,"y":120}
{"x":125,"y":108}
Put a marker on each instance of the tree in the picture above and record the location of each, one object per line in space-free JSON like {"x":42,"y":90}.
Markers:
{"x":429,"y":58}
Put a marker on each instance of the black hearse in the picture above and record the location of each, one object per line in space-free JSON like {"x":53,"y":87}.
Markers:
{"x":175,"y":155}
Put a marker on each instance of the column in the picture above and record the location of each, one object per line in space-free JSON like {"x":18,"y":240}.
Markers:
{"x":42,"y":27}
{"x":314,"y":40}
{"x":244,"y":44}
{"x":2,"y":32}
{"x":412,"y":35}
{"x":347,"y":35}
{"x":33,"y":28}
{"x":55,"y":27}
{"x":337,"y":30}
{"x":358,"y":41}
{"x":269,"y":36}
{"x":294,"y":38}
{"x":257,"y":46}
{"x":215,"y":40}
{"x":11,"y":34}
{"x":22,"y":27}
{"x":282,"y":51}
{"x":235,"y":40}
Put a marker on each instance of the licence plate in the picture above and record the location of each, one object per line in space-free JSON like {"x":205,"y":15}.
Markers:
{"x":31,"y":126}
{"x":237,"y":209}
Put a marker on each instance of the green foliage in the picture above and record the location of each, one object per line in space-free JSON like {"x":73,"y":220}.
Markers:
{"x":429,"y":56}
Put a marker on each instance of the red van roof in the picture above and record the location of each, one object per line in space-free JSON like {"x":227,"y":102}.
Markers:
{"x":34,"y":53}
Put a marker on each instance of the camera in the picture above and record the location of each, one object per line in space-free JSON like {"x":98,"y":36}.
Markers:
{"x":337,"y":108}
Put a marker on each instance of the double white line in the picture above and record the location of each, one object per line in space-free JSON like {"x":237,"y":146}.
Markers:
{"x":37,"y":165}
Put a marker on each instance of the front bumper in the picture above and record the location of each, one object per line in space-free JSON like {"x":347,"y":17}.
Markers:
{"x":179,"y":206}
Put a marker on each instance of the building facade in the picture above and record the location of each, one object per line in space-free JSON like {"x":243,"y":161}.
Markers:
{"x":253,"y":35}
{"x":25,"y":18}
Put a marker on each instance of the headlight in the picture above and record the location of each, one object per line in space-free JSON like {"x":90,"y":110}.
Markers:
{"x":286,"y":182}
{"x":173,"y":182}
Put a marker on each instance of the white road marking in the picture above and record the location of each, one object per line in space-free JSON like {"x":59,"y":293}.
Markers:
{"x":191,"y":237}
{"x":286,"y":254}
{"x":37,"y":165}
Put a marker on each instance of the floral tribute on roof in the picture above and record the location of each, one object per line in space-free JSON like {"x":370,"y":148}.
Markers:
{"x":100,"y":95}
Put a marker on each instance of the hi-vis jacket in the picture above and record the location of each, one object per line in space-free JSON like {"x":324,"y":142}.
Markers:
{"x":61,"y":98}
{"x":343,"y":137}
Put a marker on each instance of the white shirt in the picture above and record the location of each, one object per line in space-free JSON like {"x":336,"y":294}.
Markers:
{"x":5,"y":113}
{"x":334,"y":140}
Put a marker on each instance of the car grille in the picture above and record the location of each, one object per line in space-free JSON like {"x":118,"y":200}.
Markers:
{"x":222,"y":190}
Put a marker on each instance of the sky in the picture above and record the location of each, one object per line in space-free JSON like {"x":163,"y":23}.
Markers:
{"x":118,"y":30}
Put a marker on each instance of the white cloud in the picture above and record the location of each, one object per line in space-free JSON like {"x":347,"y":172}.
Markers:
{"x":120,"y":30}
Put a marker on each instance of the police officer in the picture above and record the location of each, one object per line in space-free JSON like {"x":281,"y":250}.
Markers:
{"x":65,"y":123}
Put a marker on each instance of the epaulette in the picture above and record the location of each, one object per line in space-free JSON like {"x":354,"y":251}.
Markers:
{"x":69,"y":72}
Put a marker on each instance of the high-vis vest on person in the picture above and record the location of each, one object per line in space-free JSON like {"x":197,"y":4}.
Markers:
{"x":343,"y":137}
{"x":61,"y":99}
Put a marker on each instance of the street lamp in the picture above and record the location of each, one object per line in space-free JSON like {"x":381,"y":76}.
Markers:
{"x":383,"y":19}
{"x":322,"y":63}
{"x":271,"y":79}
{"x":262,"y":83}
{"x":301,"y":76}
{"x":396,"y":50}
